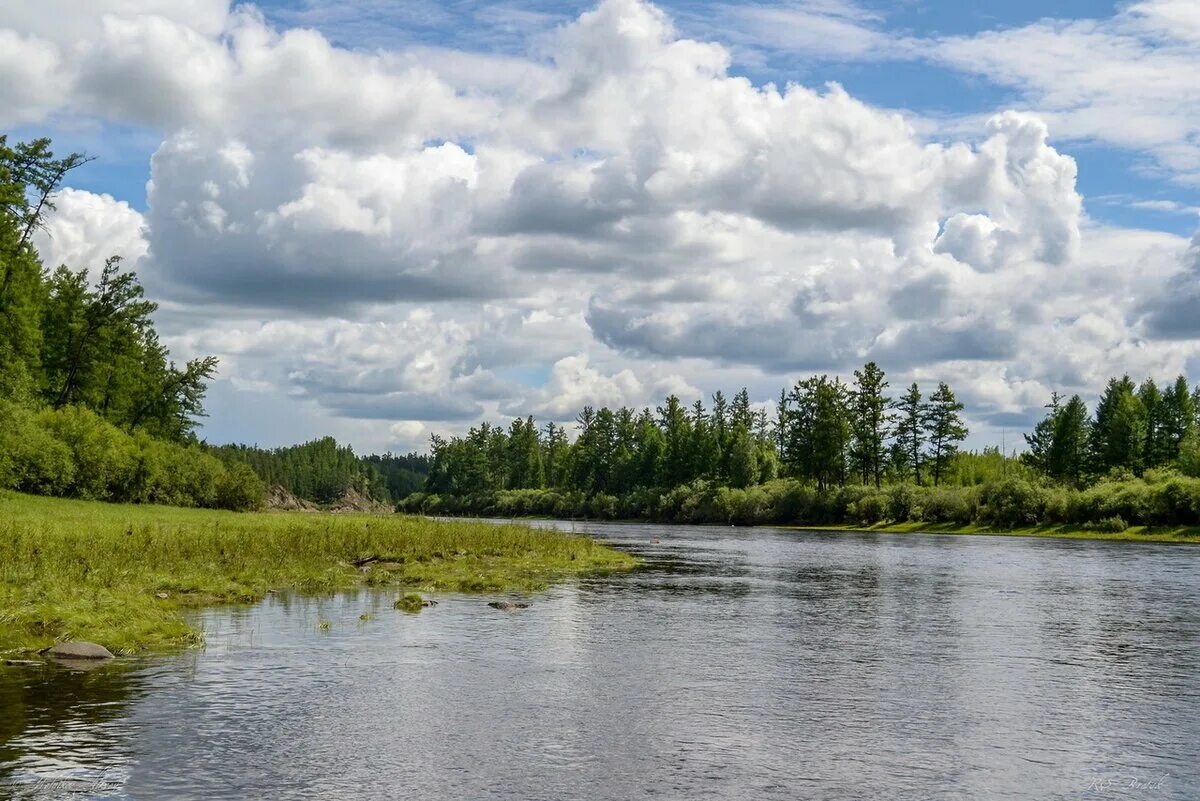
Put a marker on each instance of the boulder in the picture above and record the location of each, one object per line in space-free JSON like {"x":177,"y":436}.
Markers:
{"x":79,"y":650}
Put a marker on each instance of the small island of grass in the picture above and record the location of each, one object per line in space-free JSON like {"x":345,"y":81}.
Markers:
{"x":122,"y":575}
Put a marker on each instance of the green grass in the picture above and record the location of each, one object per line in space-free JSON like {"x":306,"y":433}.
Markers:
{"x":123,"y":575}
{"x":1131,"y":534}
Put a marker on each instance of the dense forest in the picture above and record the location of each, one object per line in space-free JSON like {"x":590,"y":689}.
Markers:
{"x":322,"y":471}
{"x":91,"y":405}
{"x":835,"y":453}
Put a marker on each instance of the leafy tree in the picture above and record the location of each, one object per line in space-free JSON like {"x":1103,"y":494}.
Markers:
{"x":743,"y":459}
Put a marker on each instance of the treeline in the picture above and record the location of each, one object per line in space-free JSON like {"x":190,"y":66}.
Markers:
{"x":823,"y":431}
{"x":322,"y":471}
{"x":91,"y":404}
{"x":1135,"y":428}
{"x":835,"y":453}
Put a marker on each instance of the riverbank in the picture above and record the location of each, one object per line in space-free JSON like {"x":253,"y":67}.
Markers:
{"x":123,"y":575}
{"x":1183,"y":534}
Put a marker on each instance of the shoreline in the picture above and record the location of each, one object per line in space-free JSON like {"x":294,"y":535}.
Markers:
{"x":1159,"y":534}
{"x":124,"y":575}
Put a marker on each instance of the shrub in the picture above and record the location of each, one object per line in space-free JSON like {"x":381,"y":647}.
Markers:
{"x":1110,"y":525}
{"x":240,"y":489}
{"x":105,"y":457}
{"x":31,"y":459}
{"x":1011,"y":503}
{"x":869,"y":509}
{"x":903,"y":502}
{"x":949,"y":505}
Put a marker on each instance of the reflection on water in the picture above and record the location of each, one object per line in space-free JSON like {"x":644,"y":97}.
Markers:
{"x":742,"y":663}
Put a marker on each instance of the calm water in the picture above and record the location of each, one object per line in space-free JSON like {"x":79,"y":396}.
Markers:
{"x":743,"y":664}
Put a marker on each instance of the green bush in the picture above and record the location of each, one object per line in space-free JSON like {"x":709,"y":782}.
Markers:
{"x":31,"y":459}
{"x":950,"y":505}
{"x":1109,"y":525}
{"x":105,"y":457}
{"x":1011,"y":503}
{"x":903,"y":502}
{"x":240,"y":489}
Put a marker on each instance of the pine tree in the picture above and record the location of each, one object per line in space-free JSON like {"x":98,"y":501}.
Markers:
{"x":909,"y":432}
{"x":870,"y":423}
{"x":944,"y":429}
{"x":1179,"y":417}
{"x":1119,"y":432}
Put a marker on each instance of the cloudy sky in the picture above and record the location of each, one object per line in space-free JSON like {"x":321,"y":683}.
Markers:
{"x":389,"y":218}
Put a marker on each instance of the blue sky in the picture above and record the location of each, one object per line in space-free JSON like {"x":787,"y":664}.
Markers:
{"x":396,"y":218}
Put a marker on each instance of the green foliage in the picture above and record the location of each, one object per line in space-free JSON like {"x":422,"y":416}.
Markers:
{"x":322,"y":471}
{"x":95,"y":571}
{"x":74,"y":452}
{"x":84,"y":364}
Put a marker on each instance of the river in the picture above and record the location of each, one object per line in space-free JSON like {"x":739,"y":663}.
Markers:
{"x":739,"y":664}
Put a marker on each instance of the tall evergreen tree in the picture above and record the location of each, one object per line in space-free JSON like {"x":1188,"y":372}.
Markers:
{"x":870,"y":423}
{"x":944,"y":429}
{"x":1119,"y":432}
{"x":1179,"y":417}
{"x":1067,"y":457}
{"x":909,"y":431}
{"x":1156,"y":449}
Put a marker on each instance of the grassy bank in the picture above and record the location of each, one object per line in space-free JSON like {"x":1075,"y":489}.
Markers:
{"x":1132,"y":534}
{"x":122,"y":575}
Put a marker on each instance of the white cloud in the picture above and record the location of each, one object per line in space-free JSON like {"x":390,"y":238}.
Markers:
{"x":390,"y":240}
{"x":87,"y":228}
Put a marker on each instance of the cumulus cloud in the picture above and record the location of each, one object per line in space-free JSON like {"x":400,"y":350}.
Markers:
{"x":86,"y":228}
{"x":388,"y":238}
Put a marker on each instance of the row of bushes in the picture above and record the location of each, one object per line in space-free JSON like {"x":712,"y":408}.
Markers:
{"x":73,"y":452}
{"x":1158,"y":498}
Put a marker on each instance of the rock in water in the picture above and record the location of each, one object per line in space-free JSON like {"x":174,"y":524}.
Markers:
{"x":508,"y":605}
{"x":79,"y":650}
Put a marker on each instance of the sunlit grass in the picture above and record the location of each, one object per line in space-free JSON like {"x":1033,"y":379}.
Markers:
{"x":121,"y":575}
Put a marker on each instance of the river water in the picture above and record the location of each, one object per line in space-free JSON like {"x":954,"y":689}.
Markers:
{"x":740,"y":664}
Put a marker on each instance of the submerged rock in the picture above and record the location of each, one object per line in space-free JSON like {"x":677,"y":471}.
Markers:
{"x":508,"y":605}
{"x":78,"y":650}
{"x":24,"y":662}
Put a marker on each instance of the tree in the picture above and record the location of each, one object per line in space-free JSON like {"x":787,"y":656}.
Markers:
{"x":556,"y":454}
{"x":909,"y":432}
{"x":1179,"y":417}
{"x":1119,"y":432}
{"x":870,"y":423}
{"x":1155,"y":447}
{"x":677,"y":431}
{"x":29,"y":178}
{"x":817,"y":430}
{"x":1067,"y":457}
{"x":944,"y":428}
{"x":1040,"y":439}
{"x":524,"y":455}
{"x":743,"y":459}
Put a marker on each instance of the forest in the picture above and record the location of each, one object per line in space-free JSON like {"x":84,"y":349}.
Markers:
{"x":836,"y":453}
{"x":322,"y":471}
{"x":91,"y":404}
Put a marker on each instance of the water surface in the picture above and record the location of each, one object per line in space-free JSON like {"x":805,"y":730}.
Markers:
{"x":741,"y":664}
